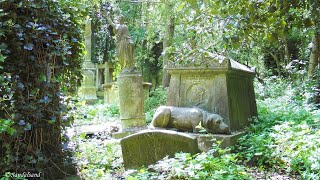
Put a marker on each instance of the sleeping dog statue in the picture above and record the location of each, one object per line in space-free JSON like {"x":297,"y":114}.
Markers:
{"x":186,"y":119}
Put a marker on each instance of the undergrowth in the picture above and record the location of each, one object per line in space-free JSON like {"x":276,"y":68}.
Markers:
{"x":218,"y":163}
{"x":98,"y":159}
{"x":284,"y":138}
{"x":156,"y":98}
{"x":286,"y":134}
{"x":94,"y":114}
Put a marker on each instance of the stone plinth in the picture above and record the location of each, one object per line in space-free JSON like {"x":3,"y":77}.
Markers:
{"x":225,"y":89}
{"x":146,"y":86}
{"x":131,"y":97}
{"x":149,"y":146}
{"x":88,"y":91}
{"x":111,"y":94}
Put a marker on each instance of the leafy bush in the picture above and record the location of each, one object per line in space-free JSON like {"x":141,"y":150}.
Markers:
{"x":216,"y":164}
{"x":97,"y":159}
{"x":156,"y":98}
{"x":114,"y":109}
{"x":285,"y":136}
{"x":84,"y":114}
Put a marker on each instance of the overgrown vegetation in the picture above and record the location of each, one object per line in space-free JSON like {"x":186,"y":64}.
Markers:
{"x":97,"y":113}
{"x":98,"y":159}
{"x":41,"y":56}
{"x":285,"y":137}
{"x":216,"y":164}
{"x":157,"y":97}
{"x":41,"y":51}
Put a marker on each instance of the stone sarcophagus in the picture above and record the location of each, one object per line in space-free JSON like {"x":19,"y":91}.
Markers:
{"x":224,"y":88}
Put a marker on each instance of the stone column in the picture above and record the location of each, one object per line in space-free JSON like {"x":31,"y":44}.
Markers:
{"x":88,"y":90}
{"x":131,"y":97}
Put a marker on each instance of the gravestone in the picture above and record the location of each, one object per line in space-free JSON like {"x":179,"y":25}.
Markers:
{"x":149,"y":146}
{"x":88,"y":90}
{"x":224,"y":87}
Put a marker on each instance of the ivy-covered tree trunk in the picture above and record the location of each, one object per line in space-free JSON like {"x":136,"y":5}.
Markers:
{"x":43,"y":51}
{"x":315,"y":54}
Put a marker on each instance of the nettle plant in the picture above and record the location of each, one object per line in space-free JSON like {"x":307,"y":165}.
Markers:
{"x":41,"y":55}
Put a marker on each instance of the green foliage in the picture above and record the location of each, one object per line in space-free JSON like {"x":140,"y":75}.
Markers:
{"x":216,"y":164}
{"x":84,"y":114}
{"x":5,"y":126}
{"x":43,"y":53}
{"x":114,"y":109}
{"x":97,"y":159}
{"x":285,"y":135}
{"x":156,"y":98}
{"x":103,"y":45}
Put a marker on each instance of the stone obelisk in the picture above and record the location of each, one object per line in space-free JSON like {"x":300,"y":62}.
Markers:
{"x":88,"y":90}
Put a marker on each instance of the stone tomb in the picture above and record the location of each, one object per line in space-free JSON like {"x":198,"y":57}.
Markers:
{"x":225,"y":89}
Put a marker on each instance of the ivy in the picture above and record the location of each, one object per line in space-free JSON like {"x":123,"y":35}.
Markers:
{"x":40,"y":62}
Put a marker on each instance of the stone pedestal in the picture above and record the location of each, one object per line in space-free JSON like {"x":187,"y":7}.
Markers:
{"x":146,"y":86}
{"x":111,"y":94}
{"x":131,"y":97}
{"x":88,"y":91}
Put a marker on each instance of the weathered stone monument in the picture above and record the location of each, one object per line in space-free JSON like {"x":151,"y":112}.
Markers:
{"x":88,"y":90}
{"x":130,"y":83}
{"x":218,"y":96}
{"x":224,"y":88}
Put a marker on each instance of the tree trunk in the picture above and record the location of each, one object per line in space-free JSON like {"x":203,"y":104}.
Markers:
{"x":315,"y":54}
{"x":287,"y":57}
{"x":277,"y":62}
{"x":167,"y":42}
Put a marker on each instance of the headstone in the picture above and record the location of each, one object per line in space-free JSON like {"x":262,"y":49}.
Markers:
{"x":88,"y":90}
{"x":223,"y":87}
{"x":147,"y":147}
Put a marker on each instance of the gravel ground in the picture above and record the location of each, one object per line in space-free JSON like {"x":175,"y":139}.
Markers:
{"x":262,"y":175}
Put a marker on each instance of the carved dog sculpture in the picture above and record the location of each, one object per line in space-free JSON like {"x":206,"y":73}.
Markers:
{"x":186,"y":119}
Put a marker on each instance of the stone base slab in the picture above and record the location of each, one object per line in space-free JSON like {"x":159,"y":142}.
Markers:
{"x":126,"y":132}
{"x":128,"y":124}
